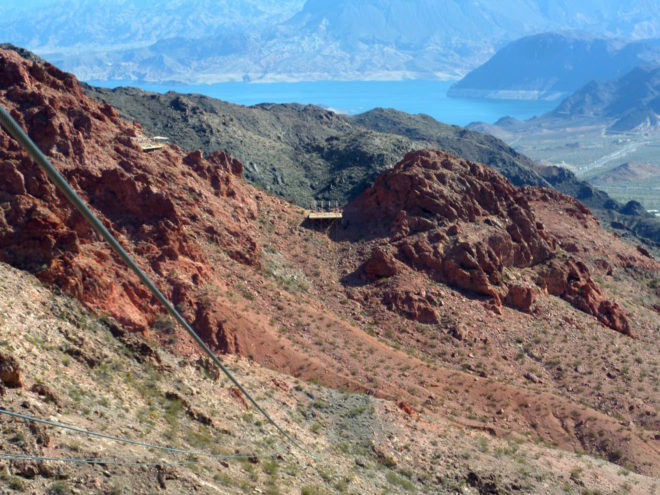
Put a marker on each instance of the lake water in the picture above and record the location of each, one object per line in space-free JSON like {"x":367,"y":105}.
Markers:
{"x":352,"y":97}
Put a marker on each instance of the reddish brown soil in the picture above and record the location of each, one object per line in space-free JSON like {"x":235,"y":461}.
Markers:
{"x":506,"y":310}
{"x":461,"y":223}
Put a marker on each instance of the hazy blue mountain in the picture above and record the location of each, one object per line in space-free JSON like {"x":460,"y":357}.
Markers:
{"x":552,"y":65}
{"x":401,"y":23}
{"x":50,"y":25}
{"x":211,"y":41}
{"x":407,"y":23}
{"x":629,"y":103}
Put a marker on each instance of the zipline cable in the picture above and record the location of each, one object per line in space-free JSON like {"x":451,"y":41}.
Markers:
{"x":127,"y":440}
{"x":19,"y":134}
{"x":93,"y":460}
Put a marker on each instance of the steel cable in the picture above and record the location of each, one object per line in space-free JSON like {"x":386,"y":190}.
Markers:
{"x":12,"y":127}
{"x":127,"y":440}
{"x":94,"y":460}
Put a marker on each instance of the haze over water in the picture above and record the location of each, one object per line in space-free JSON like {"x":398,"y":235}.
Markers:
{"x":429,"y":97}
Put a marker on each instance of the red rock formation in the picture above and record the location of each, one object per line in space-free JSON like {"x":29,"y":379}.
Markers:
{"x":522,"y":297}
{"x":379,"y":265}
{"x":210,"y":322}
{"x":405,"y":407}
{"x":165,"y":206}
{"x":570,"y":280}
{"x":411,"y":304}
{"x":462,"y":223}
{"x":458,"y":221}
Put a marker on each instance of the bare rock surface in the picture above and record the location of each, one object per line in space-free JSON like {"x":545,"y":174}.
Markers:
{"x":463,"y":224}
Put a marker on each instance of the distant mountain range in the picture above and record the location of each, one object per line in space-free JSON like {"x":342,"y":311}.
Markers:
{"x":630,"y":103}
{"x":86,"y":25}
{"x":626,"y":172}
{"x":608,"y":132}
{"x":211,"y":41}
{"x":553,"y":65}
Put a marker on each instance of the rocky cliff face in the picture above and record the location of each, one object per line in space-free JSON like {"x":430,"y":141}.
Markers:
{"x":463,"y":224}
{"x":139,"y":196}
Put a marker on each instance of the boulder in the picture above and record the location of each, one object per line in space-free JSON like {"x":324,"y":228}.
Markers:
{"x":11,"y":374}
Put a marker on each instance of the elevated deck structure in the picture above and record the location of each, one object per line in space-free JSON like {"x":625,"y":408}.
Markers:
{"x":151,"y":147}
{"x":325,"y":215}
{"x":151,"y":144}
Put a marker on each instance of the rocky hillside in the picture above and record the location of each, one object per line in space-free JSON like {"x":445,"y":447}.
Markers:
{"x":629,"y":219}
{"x":307,"y":154}
{"x":67,"y":364}
{"x":551,"y":66}
{"x":474,"y":146}
{"x":502,"y":340}
{"x":428,"y":200}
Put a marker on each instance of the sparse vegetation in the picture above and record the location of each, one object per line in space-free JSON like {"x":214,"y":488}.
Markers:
{"x":415,"y":407}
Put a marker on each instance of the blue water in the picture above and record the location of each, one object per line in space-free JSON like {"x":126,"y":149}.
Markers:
{"x":429,"y":97}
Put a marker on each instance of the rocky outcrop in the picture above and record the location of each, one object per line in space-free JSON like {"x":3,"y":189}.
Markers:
{"x":415,"y":305}
{"x":164,"y":206}
{"x":570,"y":280}
{"x":210,"y":322}
{"x":463,"y":224}
{"x":379,"y":265}
{"x":11,"y":374}
{"x":458,"y":221}
{"x":522,"y":297}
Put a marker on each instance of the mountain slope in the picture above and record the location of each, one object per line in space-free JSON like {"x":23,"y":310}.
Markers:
{"x":467,"y":144}
{"x":627,"y":104}
{"x":306,"y":153}
{"x":627,"y":172}
{"x":436,"y":326}
{"x":86,"y":372}
{"x":553,"y":65}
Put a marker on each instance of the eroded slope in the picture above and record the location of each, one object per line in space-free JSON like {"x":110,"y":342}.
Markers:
{"x":255,"y":279}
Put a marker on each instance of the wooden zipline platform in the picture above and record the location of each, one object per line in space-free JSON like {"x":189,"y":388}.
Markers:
{"x":151,"y":144}
{"x":325,"y":215}
{"x":151,"y":147}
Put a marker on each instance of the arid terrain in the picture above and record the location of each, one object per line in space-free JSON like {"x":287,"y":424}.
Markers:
{"x":312,"y":156}
{"x":603,"y":126}
{"x":453,"y":334}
